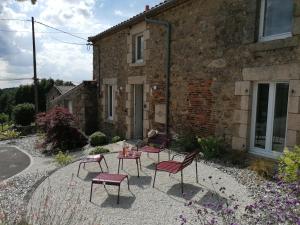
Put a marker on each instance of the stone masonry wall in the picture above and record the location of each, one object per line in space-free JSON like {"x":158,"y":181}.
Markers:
{"x":213,"y":43}
{"x":84,"y":102}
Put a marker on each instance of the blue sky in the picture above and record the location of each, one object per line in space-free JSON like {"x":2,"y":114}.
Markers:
{"x":54,"y":58}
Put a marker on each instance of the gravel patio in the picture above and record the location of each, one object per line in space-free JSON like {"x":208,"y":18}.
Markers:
{"x":64,"y":197}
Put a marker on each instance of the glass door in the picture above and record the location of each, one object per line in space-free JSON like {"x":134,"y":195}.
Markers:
{"x":269,"y":118}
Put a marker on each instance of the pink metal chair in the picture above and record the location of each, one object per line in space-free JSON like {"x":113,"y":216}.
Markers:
{"x":156,"y":145}
{"x":175,"y":166}
{"x":92,"y":159}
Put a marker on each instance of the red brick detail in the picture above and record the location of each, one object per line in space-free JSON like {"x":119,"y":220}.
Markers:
{"x":200,"y":107}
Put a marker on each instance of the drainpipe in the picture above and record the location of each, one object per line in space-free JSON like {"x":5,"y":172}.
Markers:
{"x":167,"y":26}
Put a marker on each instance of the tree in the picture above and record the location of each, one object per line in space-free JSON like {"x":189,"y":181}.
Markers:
{"x":3,"y":119}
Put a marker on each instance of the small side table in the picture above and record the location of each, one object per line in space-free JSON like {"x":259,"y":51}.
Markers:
{"x":131,"y":155}
{"x":109,"y":179}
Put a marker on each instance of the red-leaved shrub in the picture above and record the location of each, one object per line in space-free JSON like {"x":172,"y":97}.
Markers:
{"x":58,"y":124}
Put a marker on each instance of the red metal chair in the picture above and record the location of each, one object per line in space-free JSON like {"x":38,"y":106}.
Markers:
{"x":175,"y":166}
{"x":92,"y":159}
{"x":156,"y":144}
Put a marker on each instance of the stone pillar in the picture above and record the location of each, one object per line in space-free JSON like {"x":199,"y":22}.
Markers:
{"x":241,"y":117}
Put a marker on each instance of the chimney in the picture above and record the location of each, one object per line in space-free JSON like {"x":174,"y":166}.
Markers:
{"x":147,"y":8}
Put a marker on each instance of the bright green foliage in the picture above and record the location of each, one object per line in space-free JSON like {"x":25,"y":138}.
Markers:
{"x":289,"y":165}
{"x":98,"y":150}
{"x":24,"y":114}
{"x":9,"y":134}
{"x":63,"y":159}
{"x":115,"y":139}
{"x":98,"y":139}
{"x":211,"y":147}
{"x":3,"y":119}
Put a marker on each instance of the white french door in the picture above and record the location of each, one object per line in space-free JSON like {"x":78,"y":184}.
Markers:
{"x":269,"y":118}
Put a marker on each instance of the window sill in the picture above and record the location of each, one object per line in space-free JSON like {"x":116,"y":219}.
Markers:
{"x":109,"y":121}
{"x":137,"y":64}
{"x":274,"y":44}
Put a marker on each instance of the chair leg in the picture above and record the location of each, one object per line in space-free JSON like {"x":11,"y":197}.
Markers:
{"x":140,"y":163}
{"x":197,"y":179}
{"x":181,"y":181}
{"x":128,"y":183}
{"x":158,"y":157}
{"x":100,"y":167}
{"x":78,"y":169}
{"x":105,"y":164}
{"x":91,"y":192}
{"x":119,"y":166}
{"x":118,"y":200}
{"x":83,"y":165}
{"x":122,"y":163}
{"x":154,"y":178}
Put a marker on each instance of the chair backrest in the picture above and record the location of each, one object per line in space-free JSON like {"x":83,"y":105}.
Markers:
{"x":160,"y":139}
{"x":189,"y":159}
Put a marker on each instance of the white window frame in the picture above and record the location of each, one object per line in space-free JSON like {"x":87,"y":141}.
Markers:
{"x":267,"y":151}
{"x":110,"y":104}
{"x":136,"y":60}
{"x":70,"y":106}
{"x":263,"y":38}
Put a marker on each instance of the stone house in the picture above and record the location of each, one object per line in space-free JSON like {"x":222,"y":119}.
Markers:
{"x":82,"y":102}
{"x":228,"y":68}
{"x":56,"y":91}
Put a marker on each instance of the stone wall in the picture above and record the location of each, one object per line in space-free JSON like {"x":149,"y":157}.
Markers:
{"x":214,"y":58}
{"x":84,"y":102}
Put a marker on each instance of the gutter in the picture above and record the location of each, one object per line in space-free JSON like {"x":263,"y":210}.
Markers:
{"x":167,"y":26}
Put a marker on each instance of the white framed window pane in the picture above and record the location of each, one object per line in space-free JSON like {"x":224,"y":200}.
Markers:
{"x":278,"y":17}
{"x":280,"y":116}
{"x":110,"y":101}
{"x":139,"y":47}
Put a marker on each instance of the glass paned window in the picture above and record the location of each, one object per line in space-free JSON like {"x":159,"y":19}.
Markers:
{"x":110,"y":101}
{"x":139,"y":48}
{"x":277,"y":16}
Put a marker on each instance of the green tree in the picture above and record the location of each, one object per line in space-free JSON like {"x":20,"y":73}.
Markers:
{"x":3,"y":119}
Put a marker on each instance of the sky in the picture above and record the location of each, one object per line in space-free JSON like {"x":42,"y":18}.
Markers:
{"x":56,"y":59}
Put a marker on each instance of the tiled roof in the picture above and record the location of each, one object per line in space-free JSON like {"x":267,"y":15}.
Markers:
{"x":64,"y":89}
{"x":139,"y":18}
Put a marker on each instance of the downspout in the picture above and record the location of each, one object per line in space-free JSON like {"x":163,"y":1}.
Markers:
{"x":167,"y":26}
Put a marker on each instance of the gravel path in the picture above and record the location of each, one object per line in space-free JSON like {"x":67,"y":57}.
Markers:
{"x":65,"y":197}
{"x":15,"y":191}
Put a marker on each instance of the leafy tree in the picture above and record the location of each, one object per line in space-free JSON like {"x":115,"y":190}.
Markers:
{"x":3,"y":119}
{"x":24,"y":114}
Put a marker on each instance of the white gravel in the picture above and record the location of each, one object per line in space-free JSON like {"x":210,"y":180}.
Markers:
{"x":67,"y":196}
{"x":15,"y":191}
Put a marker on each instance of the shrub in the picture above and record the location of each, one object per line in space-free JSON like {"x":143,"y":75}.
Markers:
{"x":63,"y":159}
{"x":289,"y":165}
{"x":185,"y":143}
{"x":98,"y":150}
{"x":98,"y":139}
{"x":211,"y":147}
{"x":23,"y":114}
{"x":115,"y":139}
{"x":60,"y":132}
{"x":3,"y":119}
{"x":9,"y":134}
{"x":265,"y":168}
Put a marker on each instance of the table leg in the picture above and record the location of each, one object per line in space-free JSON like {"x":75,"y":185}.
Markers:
{"x":140,"y":163}
{"x":137,"y":166}
{"x":118,"y":200}
{"x":119,"y":166}
{"x":122,"y":163}
{"x":91,"y":192}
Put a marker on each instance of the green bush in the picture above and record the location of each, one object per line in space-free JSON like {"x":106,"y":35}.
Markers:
{"x":63,"y":159}
{"x":289,"y":165}
{"x":211,"y":147}
{"x":115,"y":139}
{"x":98,"y":139}
{"x":98,"y":150}
{"x":24,"y":114}
{"x":185,"y":143}
{"x":3,"y":119}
